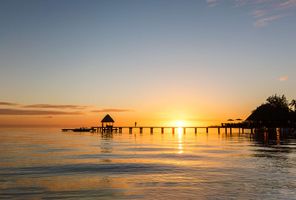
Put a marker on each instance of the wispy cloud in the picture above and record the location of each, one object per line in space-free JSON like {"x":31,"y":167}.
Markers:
{"x":212,"y":2}
{"x":258,"y":13}
{"x":2,"y":103}
{"x":264,"y":12}
{"x":264,"y":21}
{"x":287,"y":4}
{"x":54,"y":106}
{"x":9,"y":108}
{"x":35,"y":112}
{"x":44,"y":106}
{"x":283,"y":78}
{"x":112,"y":110}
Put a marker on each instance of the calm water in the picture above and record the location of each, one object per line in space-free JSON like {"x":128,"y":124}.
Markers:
{"x":49,"y":164}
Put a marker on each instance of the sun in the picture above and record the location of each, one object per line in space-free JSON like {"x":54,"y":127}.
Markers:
{"x":180,"y":123}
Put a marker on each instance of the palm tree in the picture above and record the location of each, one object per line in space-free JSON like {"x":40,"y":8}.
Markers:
{"x":278,"y":101}
{"x":293,"y":104}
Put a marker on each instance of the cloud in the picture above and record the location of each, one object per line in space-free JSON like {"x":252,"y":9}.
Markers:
{"x":287,"y":4}
{"x":283,"y":78}
{"x":2,"y":103}
{"x":212,"y":3}
{"x":35,"y":112}
{"x":112,"y":110}
{"x":264,"y":12}
{"x":267,"y":20}
{"x":45,"y":106}
{"x":258,"y":13}
{"x":51,"y":109}
{"x":55,"y":106}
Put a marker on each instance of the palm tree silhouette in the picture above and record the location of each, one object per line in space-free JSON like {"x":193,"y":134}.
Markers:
{"x":293,"y":104}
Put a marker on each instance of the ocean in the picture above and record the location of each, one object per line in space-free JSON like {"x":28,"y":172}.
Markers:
{"x":45,"y":163}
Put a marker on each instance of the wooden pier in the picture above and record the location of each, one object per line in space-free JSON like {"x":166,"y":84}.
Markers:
{"x":108,"y":127}
{"x":164,"y":129}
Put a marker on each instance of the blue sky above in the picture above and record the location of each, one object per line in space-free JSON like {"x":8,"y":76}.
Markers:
{"x":125,"y":52}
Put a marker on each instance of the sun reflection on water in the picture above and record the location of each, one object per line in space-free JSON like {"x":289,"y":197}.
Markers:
{"x":180,"y":140}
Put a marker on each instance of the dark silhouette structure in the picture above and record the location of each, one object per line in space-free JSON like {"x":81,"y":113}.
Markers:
{"x":107,"y":122}
{"x":273,"y":119}
{"x":274,"y":113}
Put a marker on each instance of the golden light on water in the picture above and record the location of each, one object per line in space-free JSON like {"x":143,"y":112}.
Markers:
{"x":180,"y":140}
{"x":180,"y":124}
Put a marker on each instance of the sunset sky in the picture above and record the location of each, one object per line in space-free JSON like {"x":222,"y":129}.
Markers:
{"x":69,"y":62}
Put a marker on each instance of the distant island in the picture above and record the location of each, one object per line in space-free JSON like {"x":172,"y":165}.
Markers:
{"x":276,"y":112}
{"x":276,"y":116}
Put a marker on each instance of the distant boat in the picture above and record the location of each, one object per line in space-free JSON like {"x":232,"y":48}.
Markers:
{"x":82,"y":129}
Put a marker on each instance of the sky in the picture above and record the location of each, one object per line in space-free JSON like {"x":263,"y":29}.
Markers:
{"x":70,"y":62}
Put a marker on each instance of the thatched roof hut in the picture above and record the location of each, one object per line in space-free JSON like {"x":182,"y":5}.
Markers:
{"x":107,"y":121}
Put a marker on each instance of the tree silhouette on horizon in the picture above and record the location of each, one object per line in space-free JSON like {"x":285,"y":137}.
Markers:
{"x":274,"y":112}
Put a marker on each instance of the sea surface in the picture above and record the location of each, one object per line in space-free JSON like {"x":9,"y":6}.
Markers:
{"x":50,"y":164}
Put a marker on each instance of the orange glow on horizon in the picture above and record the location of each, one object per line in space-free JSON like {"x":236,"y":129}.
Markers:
{"x":172,"y":118}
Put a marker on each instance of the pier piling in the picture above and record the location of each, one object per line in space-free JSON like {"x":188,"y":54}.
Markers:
{"x":151,"y":130}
